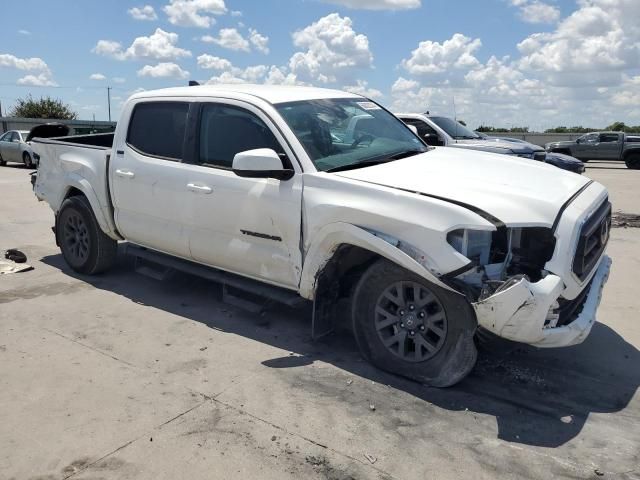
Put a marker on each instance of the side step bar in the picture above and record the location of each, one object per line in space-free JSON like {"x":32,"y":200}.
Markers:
{"x":237,"y":282}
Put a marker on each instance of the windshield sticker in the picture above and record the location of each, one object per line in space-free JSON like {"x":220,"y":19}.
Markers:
{"x":368,"y":106}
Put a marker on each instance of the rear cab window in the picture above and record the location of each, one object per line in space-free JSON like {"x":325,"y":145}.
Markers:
{"x":158,"y":129}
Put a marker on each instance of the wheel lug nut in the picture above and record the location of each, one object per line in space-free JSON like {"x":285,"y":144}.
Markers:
{"x":421,"y":314}
{"x":411,"y":307}
{"x":402,"y":325}
{"x":401,"y":312}
{"x":412,"y":333}
{"x":422,"y":327}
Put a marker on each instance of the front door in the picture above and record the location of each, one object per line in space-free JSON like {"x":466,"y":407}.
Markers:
{"x":250,"y":226}
{"x":147,"y":178}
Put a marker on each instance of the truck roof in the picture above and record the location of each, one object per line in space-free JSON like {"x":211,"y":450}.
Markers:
{"x":270,"y":93}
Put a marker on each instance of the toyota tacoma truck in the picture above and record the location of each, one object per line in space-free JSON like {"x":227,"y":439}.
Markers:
{"x":602,"y":146}
{"x":275,"y":190}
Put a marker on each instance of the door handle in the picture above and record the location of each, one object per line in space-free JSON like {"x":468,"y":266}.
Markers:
{"x":125,"y":173}
{"x":199,"y":188}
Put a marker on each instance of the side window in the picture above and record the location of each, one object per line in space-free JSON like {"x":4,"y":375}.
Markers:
{"x":608,"y":137}
{"x":226,"y":130}
{"x":158,"y":128}
{"x":423,"y":128}
{"x":14,"y":137}
{"x":6,"y":137}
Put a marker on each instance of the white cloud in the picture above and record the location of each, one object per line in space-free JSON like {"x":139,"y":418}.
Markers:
{"x":33,"y":63}
{"x":535,"y":11}
{"x":160,"y":45}
{"x":403,"y":85}
{"x":143,"y":13}
{"x":228,"y":38}
{"x":213,"y":63}
{"x":236,"y":13}
{"x":377,"y":4}
{"x":433,"y":57}
{"x":362,"y":88}
{"x":332,"y":50}
{"x":97,"y":76}
{"x":600,"y":38}
{"x":271,"y":75}
{"x":41,"y":80}
{"x":24,"y":32}
{"x":194,"y":13}
{"x":163,"y":70}
{"x":259,"y":42}
{"x":119,"y":79}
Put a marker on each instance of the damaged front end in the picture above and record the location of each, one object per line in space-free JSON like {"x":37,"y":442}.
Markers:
{"x":515,"y":296}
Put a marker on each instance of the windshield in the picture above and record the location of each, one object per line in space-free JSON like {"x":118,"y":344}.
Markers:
{"x":348,"y":131}
{"x":453,"y":128}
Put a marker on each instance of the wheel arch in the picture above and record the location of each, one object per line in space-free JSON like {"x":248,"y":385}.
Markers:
{"x":79,"y":186}
{"x":336,"y":240}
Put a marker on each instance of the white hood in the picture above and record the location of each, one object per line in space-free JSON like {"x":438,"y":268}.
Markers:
{"x":517,"y":191}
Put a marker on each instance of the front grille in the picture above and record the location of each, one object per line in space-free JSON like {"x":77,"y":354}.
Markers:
{"x":592,"y":241}
{"x":540,"y":156}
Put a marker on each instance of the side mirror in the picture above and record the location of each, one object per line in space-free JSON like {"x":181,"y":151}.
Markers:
{"x":578,"y":140}
{"x":260,"y":163}
{"x":433,"y":139}
{"x":413,"y":129}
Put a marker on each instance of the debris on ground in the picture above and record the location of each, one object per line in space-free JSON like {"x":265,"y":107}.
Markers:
{"x":599,"y":473}
{"x":372,"y":407}
{"x":625,"y":220}
{"x":203,"y":349}
{"x":349,"y":382}
{"x":371,"y":458}
{"x":15,"y":255}
{"x":9,"y":266}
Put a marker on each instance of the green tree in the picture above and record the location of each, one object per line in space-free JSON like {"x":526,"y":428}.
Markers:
{"x":617,"y":127}
{"x":46,"y":107}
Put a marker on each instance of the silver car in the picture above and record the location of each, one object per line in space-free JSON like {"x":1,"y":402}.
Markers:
{"x":14,"y":148}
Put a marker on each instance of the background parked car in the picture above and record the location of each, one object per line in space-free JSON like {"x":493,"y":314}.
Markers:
{"x":601,"y":146}
{"x":14,"y":148}
{"x":560,"y":160}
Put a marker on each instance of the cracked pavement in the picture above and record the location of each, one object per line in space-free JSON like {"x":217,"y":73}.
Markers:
{"x":124,"y":377}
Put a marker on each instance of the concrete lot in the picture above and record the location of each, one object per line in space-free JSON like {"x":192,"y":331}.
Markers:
{"x":122,"y":377}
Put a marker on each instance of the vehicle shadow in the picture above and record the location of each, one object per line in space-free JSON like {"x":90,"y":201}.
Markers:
{"x":538,"y":397}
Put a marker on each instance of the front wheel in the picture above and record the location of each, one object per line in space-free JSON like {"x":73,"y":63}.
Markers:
{"x":26,"y":159}
{"x":409,"y":326}
{"x":84,"y":245}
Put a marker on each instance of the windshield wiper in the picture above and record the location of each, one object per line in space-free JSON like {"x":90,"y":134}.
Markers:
{"x":376,"y":161}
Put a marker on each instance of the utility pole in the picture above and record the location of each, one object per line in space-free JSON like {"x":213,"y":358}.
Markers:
{"x":109,"y":101}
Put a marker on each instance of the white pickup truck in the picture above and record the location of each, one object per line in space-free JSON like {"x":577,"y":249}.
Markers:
{"x":276,"y":190}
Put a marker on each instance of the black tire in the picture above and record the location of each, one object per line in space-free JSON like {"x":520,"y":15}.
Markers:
{"x":84,"y":245}
{"x":26,"y":159}
{"x":452,"y":352}
{"x":632,"y":161}
{"x":489,"y":342}
{"x":2,"y":161}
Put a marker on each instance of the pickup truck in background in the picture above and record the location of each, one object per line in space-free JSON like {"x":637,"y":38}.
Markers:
{"x":286,"y":192}
{"x":601,"y":146}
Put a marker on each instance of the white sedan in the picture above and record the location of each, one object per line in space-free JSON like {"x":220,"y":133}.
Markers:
{"x":14,"y":148}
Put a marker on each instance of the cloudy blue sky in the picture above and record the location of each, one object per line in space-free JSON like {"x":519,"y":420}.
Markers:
{"x":538,"y":63}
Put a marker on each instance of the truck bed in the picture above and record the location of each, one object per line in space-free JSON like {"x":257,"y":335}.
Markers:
{"x":76,"y":163}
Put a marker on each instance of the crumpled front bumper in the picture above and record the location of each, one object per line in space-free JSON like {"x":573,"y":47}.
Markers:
{"x":519,"y":312}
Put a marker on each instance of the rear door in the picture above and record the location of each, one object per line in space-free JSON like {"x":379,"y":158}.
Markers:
{"x":5,"y":146}
{"x":250,"y":226}
{"x":147,"y":178}
{"x":609,"y":146}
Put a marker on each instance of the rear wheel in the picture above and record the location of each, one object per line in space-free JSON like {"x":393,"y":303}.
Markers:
{"x":633,"y":161}
{"x":3,"y":162}
{"x":84,"y":245}
{"x":26,"y":159}
{"x":409,"y":326}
